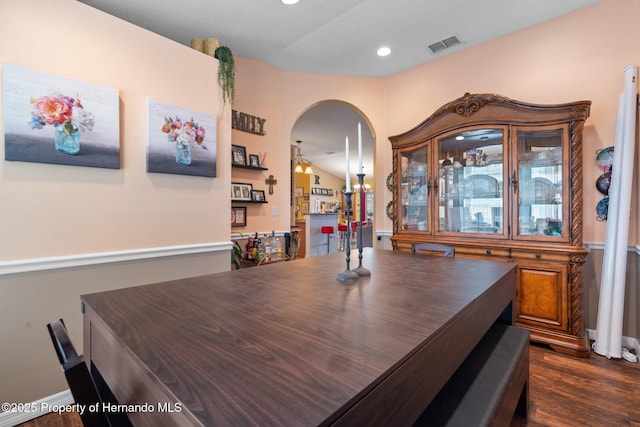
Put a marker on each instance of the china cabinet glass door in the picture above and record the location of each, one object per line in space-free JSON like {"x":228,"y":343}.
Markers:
{"x":414,"y":190}
{"x":471,"y":180}
{"x":539,"y":183}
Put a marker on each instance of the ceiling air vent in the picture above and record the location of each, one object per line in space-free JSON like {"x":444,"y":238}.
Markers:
{"x":444,"y":44}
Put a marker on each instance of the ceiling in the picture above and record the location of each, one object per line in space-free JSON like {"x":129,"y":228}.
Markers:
{"x":337,"y":37}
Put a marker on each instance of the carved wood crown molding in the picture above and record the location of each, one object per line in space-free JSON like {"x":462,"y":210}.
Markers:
{"x":469,"y":104}
{"x":464,"y":108}
{"x":580,"y":114}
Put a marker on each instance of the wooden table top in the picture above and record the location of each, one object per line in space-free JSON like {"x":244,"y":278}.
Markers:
{"x":287,"y":343}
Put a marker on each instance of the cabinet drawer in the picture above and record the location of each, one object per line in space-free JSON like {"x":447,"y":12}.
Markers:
{"x":482,"y":252}
{"x":530,"y":255}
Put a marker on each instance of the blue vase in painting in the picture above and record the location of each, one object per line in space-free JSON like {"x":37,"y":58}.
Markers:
{"x":67,"y":139}
{"x":183,"y":154}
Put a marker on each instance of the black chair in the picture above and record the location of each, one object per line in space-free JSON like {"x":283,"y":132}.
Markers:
{"x":75,"y":370}
{"x":433,"y":249}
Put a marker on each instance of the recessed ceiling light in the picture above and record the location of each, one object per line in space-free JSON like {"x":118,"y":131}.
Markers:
{"x":290,"y":1}
{"x":384,"y":51}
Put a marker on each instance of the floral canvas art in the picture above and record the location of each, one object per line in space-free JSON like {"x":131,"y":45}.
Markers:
{"x":180,"y":141}
{"x":55,"y":119}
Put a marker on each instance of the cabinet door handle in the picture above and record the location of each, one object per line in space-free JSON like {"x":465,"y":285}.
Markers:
{"x":514,"y":182}
{"x":435,"y":185}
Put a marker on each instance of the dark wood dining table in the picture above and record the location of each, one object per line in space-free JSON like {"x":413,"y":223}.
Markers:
{"x":287,"y":344}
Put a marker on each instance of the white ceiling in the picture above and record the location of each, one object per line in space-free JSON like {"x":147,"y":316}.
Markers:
{"x":336,"y":37}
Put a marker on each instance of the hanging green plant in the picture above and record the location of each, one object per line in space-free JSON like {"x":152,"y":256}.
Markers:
{"x":226,"y":73}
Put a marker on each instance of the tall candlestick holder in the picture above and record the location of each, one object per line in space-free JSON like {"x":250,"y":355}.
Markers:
{"x":348,"y":275}
{"x":361,"y":271}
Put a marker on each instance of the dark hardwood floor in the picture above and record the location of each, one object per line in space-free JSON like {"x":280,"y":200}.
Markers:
{"x":569,"y":391}
{"x":564,"y":391}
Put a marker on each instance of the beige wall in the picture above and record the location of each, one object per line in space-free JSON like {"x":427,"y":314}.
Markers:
{"x":87,"y":216}
{"x":579,"y":56}
{"x":258,"y":88}
{"x":281,"y":98}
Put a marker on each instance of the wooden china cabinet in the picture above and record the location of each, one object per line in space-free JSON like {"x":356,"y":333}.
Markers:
{"x":501,"y":179}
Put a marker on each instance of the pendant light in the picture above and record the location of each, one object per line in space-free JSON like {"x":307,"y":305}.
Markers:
{"x":302,"y":164}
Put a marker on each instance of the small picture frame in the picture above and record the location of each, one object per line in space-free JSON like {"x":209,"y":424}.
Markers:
{"x":305,"y":208}
{"x":238,"y":155}
{"x":240,"y":191}
{"x":257,"y":196}
{"x":238,"y":216}
{"x":254,"y":160}
{"x":299,"y":191}
{"x":306,"y":196}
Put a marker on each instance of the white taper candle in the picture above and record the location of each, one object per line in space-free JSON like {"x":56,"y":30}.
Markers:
{"x":360,"y":167}
{"x":347,"y":177}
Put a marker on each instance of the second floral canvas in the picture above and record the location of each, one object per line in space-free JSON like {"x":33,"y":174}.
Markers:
{"x":180,"y":141}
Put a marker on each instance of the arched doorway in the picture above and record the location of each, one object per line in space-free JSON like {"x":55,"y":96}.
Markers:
{"x":322,"y":129}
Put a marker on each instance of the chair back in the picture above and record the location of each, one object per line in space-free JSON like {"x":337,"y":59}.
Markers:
{"x":77,"y":374}
{"x":433,"y":249}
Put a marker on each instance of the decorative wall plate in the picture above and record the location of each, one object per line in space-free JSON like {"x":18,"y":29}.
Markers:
{"x":390,"y":182}
{"x":604,"y":158}
{"x":603,"y":182}
{"x":390,"y":210}
{"x":602,"y":209}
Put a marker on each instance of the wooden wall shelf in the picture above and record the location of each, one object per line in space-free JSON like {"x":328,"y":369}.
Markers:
{"x":259,"y":168}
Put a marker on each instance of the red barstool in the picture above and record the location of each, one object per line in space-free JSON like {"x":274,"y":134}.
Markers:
{"x":328,"y":230}
{"x":354,"y":232}
{"x":342,"y":234}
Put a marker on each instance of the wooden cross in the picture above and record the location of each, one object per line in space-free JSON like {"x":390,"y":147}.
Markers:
{"x":271,"y":182}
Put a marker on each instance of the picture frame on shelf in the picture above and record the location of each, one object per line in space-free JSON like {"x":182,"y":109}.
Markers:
{"x":299,"y":191}
{"x":258,"y":196}
{"x":241,"y":191}
{"x":238,"y":155}
{"x":254,"y":160}
{"x":238,"y":216}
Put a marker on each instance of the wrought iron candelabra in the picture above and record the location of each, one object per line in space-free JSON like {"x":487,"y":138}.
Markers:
{"x":361,"y":271}
{"x":348,"y":275}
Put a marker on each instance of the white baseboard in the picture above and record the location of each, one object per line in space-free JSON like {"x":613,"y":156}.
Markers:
{"x":627,"y":342}
{"x":36,"y":409}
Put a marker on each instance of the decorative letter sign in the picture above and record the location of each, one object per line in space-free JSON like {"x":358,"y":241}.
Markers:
{"x":247,"y":123}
